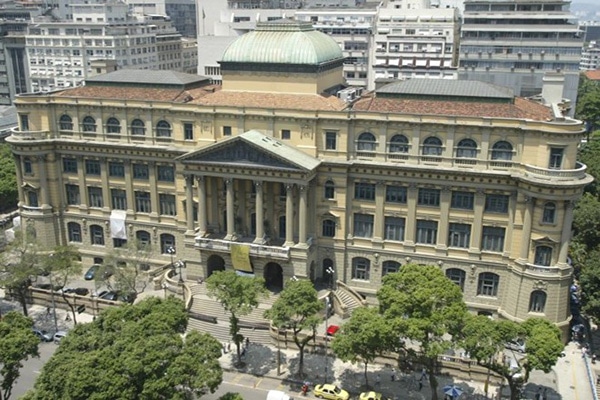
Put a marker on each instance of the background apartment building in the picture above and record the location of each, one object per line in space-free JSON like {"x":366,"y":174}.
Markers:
{"x":513,"y":43}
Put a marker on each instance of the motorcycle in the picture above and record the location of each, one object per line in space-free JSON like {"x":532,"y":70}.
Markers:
{"x":305,"y":389}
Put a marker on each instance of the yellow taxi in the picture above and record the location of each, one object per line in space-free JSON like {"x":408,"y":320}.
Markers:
{"x":371,"y":396}
{"x":331,"y":392}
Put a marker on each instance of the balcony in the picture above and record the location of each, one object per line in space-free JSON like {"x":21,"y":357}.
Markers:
{"x":256,"y":250}
{"x":30,"y":135}
{"x":546,"y":271}
{"x":556,"y":174}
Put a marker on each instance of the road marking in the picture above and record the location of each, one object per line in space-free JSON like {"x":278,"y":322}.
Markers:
{"x":256,"y":383}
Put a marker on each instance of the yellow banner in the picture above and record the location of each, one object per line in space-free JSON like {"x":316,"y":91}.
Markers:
{"x":240,"y":257}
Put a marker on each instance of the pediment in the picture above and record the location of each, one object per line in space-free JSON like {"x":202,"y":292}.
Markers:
{"x":253,"y":150}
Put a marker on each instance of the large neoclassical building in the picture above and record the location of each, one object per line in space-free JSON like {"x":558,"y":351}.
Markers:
{"x":274,"y":175}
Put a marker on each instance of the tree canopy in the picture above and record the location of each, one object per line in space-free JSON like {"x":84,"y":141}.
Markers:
{"x":133,"y":352}
{"x":297,"y":308}
{"x":424,"y":306}
{"x":9,"y":195}
{"x":63,"y":265}
{"x":17,"y":344}
{"x":239,"y":295}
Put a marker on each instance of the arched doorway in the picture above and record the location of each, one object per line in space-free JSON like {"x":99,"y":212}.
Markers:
{"x":273,"y":276}
{"x":214,"y":263}
{"x":327,"y":272}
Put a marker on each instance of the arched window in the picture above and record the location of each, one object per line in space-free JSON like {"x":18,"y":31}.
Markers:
{"x":113,"y":125}
{"x":138,"y":128}
{"x":389,"y":267}
{"x":143,"y":239}
{"x":457,"y":276}
{"x":537,"y":301}
{"x":488,"y":284}
{"x":502,"y":150}
{"x":543,"y":255}
{"x":89,"y":124}
{"x":163,"y":129}
{"x":97,"y":235}
{"x":329,"y":190}
{"x":328,"y":228}
{"x":432,"y":146}
{"x":74,"y":230}
{"x":361,"y":269}
{"x":398,"y":144}
{"x":549,"y":213}
{"x":466,"y":148}
{"x":65,"y":123}
{"x":166,"y":241}
{"x":366,"y":142}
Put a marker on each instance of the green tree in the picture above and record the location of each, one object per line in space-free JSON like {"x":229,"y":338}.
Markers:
{"x":231,"y":396}
{"x":588,"y":103}
{"x":17,"y":344}
{"x":586,"y":221}
{"x":63,"y":265}
{"x":19,"y":263}
{"x":424,"y":306}
{"x":297,"y":308}
{"x":133,"y":352}
{"x":239,"y":295}
{"x":589,"y":278}
{"x":9,"y":195}
{"x":366,"y":335}
{"x":589,"y":154}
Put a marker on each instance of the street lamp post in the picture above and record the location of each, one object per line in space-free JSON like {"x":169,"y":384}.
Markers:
{"x":165,"y":287}
{"x":52,"y":296}
{"x":171,"y":252}
{"x":330,"y":272}
{"x":327,"y":306}
{"x":180,"y":265}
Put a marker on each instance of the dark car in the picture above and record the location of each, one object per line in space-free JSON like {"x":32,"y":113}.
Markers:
{"x":80,"y":291}
{"x":112,"y":296}
{"x":90,"y":275}
{"x":48,"y":286}
{"x":42,"y":335}
{"x":127,"y":297}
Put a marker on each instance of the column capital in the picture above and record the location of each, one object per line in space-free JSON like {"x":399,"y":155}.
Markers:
{"x":302,"y":188}
{"x":228,"y":181}
{"x":257,"y":184}
{"x":289,"y":187}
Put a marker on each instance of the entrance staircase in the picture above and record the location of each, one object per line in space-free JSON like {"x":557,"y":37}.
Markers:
{"x":349,"y":300}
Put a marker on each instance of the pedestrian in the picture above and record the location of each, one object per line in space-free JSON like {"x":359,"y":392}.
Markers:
{"x":247,"y":342}
{"x":244,"y":352}
{"x":378,"y":380}
{"x":538,"y":395}
{"x":420,"y":385}
{"x":228,"y":347}
{"x":544,"y":395}
{"x":393,"y":376}
{"x":47,"y":310}
{"x":423,"y":373}
{"x":68,"y":318}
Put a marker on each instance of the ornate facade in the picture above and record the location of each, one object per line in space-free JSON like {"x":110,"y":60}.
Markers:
{"x":273,"y":175}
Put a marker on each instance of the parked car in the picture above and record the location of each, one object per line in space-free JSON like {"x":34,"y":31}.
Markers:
{"x":42,"y":335}
{"x":516,"y":345}
{"x":112,"y":296}
{"x":331,"y":392}
{"x":372,"y":396}
{"x":127,"y":297}
{"x":90,"y":275}
{"x":48,"y":286}
{"x":58,"y":336}
{"x":81,"y":291}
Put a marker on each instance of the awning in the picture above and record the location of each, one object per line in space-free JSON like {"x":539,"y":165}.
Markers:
{"x":117,"y":224}
{"x":240,"y":257}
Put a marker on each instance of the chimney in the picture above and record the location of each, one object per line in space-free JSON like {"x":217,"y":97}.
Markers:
{"x":552,"y":88}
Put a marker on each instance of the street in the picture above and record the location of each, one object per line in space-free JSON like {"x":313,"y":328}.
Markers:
{"x":32,"y":368}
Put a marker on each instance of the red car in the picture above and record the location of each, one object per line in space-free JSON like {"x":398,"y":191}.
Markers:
{"x":332,"y":329}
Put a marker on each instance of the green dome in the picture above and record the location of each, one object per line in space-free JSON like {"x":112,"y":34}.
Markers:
{"x":283,"y":42}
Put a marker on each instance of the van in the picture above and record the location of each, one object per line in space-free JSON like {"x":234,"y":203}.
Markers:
{"x":277,"y":395}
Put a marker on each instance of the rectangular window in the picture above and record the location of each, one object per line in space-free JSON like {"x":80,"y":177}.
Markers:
{"x":226,"y":131}
{"x":165,"y":173}
{"x":364,"y":191}
{"x":119,"y":199}
{"x":27,"y":167}
{"x":116,"y":169}
{"x":92,"y":167}
{"x":459,"y":235}
{"x":429,"y":197}
{"x":24,"y":118}
{"x":140,"y":172}
{"x":492,"y":239}
{"x":142,"y":202}
{"x":556,"y":157}
{"x":462,"y":200}
{"x":188,"y":131}
{"x":72,"y":192}
{"x":394,"y":228}
{"x":70,"y":165}
{"x":330,"y":140}
{"x":363,"y":225}
{"x":32,"y":199}
{"x":426,"y":231}
{"x":118,"y":243}
{"x":286,"y":134}
{"x":496,"y":203}
{"x":95,"y":197}
{"x":395,"y":194}
{"x":167,"y":204}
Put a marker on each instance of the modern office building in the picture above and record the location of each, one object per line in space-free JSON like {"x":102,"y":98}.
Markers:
{"x":514,"y":43}
{"x":273,"y":175}
{"x":181,"y":12}
{"x":590,"y":57}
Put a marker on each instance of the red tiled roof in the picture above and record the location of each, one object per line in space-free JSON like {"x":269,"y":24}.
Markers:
{"x":522,"y":108}
{"x":593,"y":75}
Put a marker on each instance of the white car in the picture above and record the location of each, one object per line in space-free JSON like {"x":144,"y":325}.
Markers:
{"x":58,"y":336}
{"x":516,"y":345}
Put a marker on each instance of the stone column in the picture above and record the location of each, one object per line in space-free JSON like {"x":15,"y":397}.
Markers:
{"x":189,"y":202}
{"x":302,"y":215}
{"x":378,"y":224}
{"x":477,"y":227}
{"x":526,"y":232}
{"x":105,"y":186}
{"x":565,"y":235}
{"x":201,"y":205}
{"x":83,"y":191}
{"x":289,"y":215}
{"x":19,"y":170}
{"x":230,"y":215}
{"x":260,"y":233}
{"x":44,"y":195}
{"x":129,"y":187}
{"x":411,"y":216}
{"x":154,"y":205}
{"x":442,"y":239}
